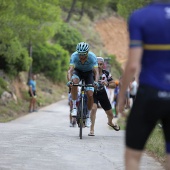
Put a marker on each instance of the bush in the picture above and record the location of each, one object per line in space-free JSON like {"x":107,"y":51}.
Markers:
{"x":3,"y":85}
{"x":68,"y":37}
{"x":13,"y":57}
{"x":115,"y":66}
{"x":52,"y":60}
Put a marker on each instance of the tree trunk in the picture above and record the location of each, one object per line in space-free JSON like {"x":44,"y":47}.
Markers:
{"x":71,"y":10}
{"x":82,"y":10}
{"x":30,"y":54}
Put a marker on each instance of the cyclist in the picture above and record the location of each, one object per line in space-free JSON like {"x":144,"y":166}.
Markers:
{"x":82,"y":65}
{"x":149,"y":45}
{"x":100,"y":95}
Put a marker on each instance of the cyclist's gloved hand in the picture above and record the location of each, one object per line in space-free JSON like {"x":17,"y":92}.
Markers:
{"x":69,"y":83}
{"x":96,"y":84}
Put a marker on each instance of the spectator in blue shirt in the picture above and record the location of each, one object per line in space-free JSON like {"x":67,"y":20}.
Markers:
{"x":32,"y":93}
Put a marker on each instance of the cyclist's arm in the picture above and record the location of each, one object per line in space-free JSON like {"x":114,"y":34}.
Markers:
{"x":96,"y":74}
{"x":70,"y":73}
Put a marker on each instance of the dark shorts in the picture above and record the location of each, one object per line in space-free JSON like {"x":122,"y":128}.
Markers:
{"x":34,"y":93}
{"x":87,"y":76}
{"x":133,"y":97}
{"x":149,"y":106}
{"x":102,"y":98}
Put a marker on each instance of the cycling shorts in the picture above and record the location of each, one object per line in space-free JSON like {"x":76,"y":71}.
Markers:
{"x":87,"y":76}
{"x":102,"y":98}
{"x":149,"y":106}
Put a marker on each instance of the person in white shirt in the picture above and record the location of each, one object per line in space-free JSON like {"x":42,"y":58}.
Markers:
{"x":133,"y":89}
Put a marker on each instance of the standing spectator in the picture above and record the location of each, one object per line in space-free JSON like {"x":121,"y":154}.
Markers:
{"x":133,"y":89}
{"x":115,"y":99}
{"x":100,"y":96}
{"x":149,"y":29}
{"x":32,"y":93}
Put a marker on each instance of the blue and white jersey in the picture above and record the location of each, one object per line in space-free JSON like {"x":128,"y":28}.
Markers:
{"x":88,"y":65}
{"x":149,"y":28}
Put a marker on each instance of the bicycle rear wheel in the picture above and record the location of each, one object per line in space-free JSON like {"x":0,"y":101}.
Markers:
{"x":81,"y":118}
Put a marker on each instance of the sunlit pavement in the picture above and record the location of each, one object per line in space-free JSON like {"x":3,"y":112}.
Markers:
{"x":44,"y":141}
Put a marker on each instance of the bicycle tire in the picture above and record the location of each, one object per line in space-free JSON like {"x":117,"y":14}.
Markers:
{"x":81,"y":118}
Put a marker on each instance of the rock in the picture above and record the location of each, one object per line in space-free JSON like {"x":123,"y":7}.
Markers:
{"x":6,"y":97}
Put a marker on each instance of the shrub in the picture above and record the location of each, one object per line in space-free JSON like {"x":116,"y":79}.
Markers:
{"x":13,"y":57}
{"x":68,"y":37}
{"x":52,"y":60}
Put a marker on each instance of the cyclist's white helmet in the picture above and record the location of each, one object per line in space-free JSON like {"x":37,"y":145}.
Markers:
{"x":100,"y":59}
{"x":82,"y":47}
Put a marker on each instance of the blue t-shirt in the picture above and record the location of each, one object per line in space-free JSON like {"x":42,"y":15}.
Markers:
{"x":149,"y":27}
{"x":87,"y":66}
{"x":32,"y":84}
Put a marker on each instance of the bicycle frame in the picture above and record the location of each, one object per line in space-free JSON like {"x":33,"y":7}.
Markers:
{"x":83,"y":85}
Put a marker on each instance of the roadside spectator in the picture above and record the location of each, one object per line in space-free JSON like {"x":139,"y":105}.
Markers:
{"x":32,"y":93}
{"x":133,"y":89}
{"x":127,"y":100}
{"x":149,"y":30}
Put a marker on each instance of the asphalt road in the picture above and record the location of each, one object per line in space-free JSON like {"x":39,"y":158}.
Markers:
{"x":44,"y":141}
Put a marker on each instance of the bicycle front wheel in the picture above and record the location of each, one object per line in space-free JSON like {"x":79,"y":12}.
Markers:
{"x":81,"y":118}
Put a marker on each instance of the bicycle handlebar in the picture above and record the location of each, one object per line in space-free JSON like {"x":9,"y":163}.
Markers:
{"x":85,"y":85}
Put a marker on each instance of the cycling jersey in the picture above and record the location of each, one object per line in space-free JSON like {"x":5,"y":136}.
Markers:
{"x":87,"y":66}
{"x":145,"y":27}
{"x":105,"y":76}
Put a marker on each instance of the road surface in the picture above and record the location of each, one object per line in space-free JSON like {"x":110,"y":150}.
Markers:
{"x":43,"y":140}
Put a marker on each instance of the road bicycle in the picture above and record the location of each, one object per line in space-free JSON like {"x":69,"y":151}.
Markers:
{"x":81,"y":115}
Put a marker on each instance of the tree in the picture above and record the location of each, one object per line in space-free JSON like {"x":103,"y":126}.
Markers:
{"x":71,"y":10}
{"x":125,"y":7}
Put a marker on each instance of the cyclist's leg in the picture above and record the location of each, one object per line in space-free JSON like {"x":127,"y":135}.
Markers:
{"x":74,"y":89}
{"x":88,"y":77}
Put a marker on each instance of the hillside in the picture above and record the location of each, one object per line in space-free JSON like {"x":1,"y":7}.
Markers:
{"x":109,"y":35}
{"x":113,"y":32}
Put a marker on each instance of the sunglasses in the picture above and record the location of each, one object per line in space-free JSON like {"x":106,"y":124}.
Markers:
{"x":82,"y":54}
{"x":100,"y":64}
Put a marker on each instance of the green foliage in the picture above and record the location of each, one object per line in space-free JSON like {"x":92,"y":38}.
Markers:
{"x":68,"y":37}
{"x":13,"y":57}
{"x":3,"y":85}
{"x":125,"y":7}
{"x":52,"y":60}
{"x":83,"y":6}
{"x":116,"y":67}
{"x":155,"y":144}
{"x":31,"y":20}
